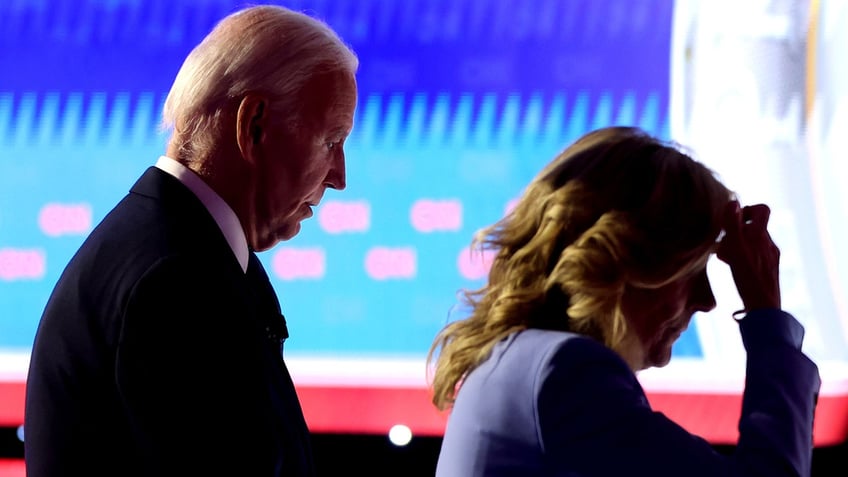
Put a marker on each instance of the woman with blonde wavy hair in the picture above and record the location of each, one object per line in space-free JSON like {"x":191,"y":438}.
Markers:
{"x":597,"y":271}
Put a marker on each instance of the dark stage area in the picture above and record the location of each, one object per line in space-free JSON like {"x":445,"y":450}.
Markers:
{"x":374,"y":455}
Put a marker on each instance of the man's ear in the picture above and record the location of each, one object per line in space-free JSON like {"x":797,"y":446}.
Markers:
{"x":251,"y":122}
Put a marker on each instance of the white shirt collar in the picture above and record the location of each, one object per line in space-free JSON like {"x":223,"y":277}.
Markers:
{"x":224,"y":216}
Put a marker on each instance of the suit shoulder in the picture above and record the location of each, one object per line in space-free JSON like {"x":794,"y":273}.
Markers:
{"x":561,"y":345}
{"x":531,"y":355}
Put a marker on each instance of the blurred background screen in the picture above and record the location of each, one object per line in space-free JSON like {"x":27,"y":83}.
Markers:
{"x":461,"y":102}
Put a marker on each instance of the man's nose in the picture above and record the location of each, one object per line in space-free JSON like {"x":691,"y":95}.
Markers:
{"x":336,"y":178}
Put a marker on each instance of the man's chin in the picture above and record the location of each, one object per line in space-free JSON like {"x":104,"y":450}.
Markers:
{"x":269,"y":242}
{"x":286,"y":233}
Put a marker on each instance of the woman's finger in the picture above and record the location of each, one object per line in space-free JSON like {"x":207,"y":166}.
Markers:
{"x":732,"y":219}
{"x":756,"y":214}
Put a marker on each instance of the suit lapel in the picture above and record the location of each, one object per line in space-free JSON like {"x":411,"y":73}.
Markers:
{"x":274,"y":322}
{"x":292,"y":428}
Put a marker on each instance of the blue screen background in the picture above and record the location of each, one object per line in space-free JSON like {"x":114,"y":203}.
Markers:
{"x":462,"y":101}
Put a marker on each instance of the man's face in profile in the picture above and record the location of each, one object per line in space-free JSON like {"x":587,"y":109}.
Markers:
{"x":299,"y":163}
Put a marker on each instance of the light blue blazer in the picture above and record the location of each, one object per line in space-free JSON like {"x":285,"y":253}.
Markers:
{"x":551,"y":403}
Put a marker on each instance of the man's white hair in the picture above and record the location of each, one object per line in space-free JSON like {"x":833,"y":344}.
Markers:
{"x":265,"y":49}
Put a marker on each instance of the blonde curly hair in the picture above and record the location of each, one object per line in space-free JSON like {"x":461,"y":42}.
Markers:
{"x":617,"y":208}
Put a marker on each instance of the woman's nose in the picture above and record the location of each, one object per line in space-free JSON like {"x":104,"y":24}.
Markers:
{"x":702,"y":298}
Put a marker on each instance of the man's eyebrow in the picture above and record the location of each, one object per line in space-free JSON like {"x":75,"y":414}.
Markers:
{"x":337,"y":131}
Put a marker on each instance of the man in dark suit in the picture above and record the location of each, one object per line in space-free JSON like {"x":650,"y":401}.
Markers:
{"x":160,"y":349}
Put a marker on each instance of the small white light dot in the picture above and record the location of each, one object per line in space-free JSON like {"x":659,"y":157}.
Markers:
{"x":400,"y":435}
{"x":21,"y":433}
